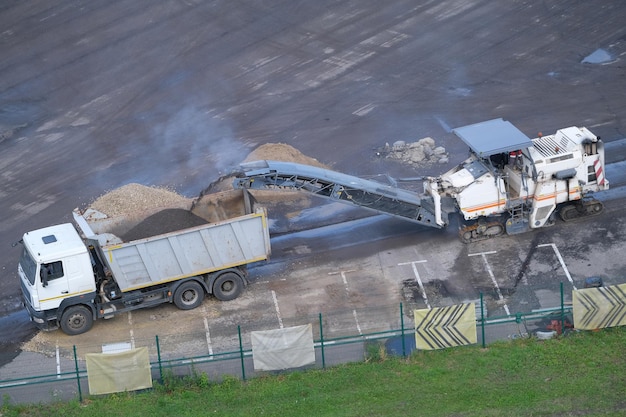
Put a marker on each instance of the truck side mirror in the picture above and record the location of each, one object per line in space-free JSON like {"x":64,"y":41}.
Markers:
{"x":44,"y":275}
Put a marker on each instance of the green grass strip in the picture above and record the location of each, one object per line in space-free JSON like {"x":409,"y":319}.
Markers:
{"x":581,"y":374}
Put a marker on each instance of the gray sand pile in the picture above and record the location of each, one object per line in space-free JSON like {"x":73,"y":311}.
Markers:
{"x":164,"y":221}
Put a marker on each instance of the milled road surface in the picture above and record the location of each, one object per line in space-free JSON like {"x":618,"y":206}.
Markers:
{"x":96,"y":94}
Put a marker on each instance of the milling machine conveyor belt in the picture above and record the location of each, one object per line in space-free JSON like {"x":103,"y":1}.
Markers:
{"x":368,"y":194}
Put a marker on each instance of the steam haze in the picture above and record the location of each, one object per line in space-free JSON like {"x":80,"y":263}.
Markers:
{"x":187,"y":150}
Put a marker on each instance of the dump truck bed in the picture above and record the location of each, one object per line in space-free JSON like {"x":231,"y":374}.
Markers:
{"x":189,"y":252}
{"x":148,"y":260}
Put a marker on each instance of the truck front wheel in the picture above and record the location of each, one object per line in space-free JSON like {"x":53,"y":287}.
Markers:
{"x":227,"y":286}
{"x":189,"y":295}
{"x":76,"y":320}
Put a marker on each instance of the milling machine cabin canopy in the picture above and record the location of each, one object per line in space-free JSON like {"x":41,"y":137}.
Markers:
{"x":493,"y":138}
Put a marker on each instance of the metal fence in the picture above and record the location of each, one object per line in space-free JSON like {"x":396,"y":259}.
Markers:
{"x":60,"y":374}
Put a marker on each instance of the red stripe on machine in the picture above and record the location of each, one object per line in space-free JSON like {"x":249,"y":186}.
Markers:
{"x":599,"y":173}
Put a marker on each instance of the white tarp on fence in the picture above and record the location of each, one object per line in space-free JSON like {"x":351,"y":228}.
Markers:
{"x":278,"y":349}
{"x":118,"y":372}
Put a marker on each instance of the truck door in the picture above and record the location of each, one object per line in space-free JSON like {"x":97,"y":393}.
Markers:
{"x":52,"y":286}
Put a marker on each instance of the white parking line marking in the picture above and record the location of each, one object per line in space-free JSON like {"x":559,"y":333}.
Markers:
{"x":492,"y":276}
{"x":356,"y":320}
{"x":560,"y":258}
{"x":280,"y":320}
{"x":600,"y":124}
{"x":345,"y":283}
{"x":132,"y":334}
{"x":364,"y":110}
{"x":58,"y":363}
{"x":418,"y":279}
{"x":208,"y":335}
{"x":267,"y":281}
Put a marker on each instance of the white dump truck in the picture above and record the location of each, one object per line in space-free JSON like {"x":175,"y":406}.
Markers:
{"x":69,"y":280}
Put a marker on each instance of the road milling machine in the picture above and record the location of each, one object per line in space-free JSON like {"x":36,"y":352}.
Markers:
{"x":508,"y":184}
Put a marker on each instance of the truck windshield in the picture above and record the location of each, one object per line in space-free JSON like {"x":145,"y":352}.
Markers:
{"x":29,"y":266}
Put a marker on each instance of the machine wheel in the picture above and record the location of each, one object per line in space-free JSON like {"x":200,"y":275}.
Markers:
{"x":227,"y":286}
{"x":569,"y":212}
{"x":586,"y":208}
{"x":481,"y":231}
{"x":493,"y":229}
{"x":466,"y":236}
{"x":76,"y":320}
{"x":189,"y":295}
{"x":594,"y":207}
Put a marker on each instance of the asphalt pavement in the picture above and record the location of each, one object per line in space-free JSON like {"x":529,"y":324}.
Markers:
{"x":95,"y":95}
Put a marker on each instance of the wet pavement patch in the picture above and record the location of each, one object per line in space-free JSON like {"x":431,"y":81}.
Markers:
{"x":15,"y":329}
{"x":599,"y":56}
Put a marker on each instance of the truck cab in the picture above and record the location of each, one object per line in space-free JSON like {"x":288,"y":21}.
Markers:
{"x":54,"y":268}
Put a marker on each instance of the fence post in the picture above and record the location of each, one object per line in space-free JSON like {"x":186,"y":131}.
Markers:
{"x":322,"y":343}
{"x":562,"y":311}
{"x":402,"y":332}
{"x":243,"y":367}
{"x":482,"y":319}
{"x":158,"y":346}
{"x":80,"y":391}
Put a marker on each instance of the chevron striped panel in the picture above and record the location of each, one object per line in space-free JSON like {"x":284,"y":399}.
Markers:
{"x":444,"y":327}
{"x":597,"y":308}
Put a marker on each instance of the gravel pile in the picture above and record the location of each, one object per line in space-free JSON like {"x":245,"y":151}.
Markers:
{"x":419,"y":153}
{"x":282,"y":152}
{"x":269,"y":151}
{"x":136,"y":197}
{"x":172,"y":211}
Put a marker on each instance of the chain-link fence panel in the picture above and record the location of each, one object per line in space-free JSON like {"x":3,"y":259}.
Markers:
{"x":346,"y":335}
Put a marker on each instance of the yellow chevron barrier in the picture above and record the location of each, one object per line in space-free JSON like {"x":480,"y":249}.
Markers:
{"x":444,"y":327}
{"x":597,"y":308}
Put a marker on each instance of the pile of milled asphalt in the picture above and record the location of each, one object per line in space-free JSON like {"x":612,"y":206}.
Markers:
{"x":164,"y":221}
{"x":168,"y":211}
{"x":213,"y":204}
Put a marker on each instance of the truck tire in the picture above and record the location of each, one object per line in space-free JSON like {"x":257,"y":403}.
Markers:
{"x":76,"y":320}
{"x":189,"y":295}
{"x":227,"y":286}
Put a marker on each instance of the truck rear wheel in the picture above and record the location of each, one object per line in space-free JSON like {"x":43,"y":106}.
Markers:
{"x":189,"y":295}
{"x":76,"y":320}
{"x":227,"y":286}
